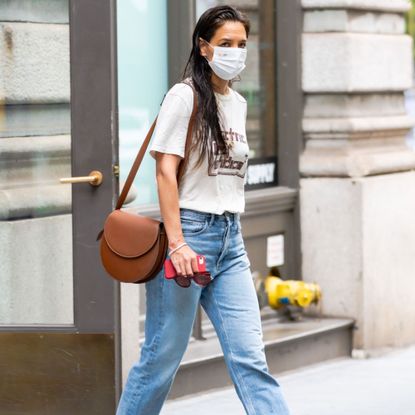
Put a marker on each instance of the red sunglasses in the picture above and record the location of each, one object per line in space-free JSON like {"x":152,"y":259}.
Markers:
{"x":201,"y":278}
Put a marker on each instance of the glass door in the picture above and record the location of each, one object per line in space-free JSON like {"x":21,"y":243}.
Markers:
{"x":58,"y":308}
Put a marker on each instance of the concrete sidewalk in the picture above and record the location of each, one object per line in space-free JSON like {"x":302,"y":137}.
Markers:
{"x":383,"y":385}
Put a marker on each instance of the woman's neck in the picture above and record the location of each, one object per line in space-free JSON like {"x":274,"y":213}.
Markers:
{"x":219,"y":85}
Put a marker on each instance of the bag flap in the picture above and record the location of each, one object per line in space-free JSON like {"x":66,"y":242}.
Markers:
{"x":130,"y":235}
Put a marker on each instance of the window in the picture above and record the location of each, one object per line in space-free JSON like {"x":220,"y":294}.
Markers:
{"x":142,"y":85}
{"x":142,"y":82}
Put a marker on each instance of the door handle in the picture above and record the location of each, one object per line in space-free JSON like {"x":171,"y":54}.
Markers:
{"x":94,"y":178}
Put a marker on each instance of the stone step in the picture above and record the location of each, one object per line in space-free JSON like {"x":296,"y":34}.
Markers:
{"x":288,"y":345}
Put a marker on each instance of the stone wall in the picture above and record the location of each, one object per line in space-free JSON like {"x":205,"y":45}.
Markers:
{"x":358,"y":184}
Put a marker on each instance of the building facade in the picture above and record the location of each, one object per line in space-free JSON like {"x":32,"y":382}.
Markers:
{"x":81,"y":81}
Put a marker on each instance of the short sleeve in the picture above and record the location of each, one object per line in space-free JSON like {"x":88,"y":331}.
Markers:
{"x":172,"y":122}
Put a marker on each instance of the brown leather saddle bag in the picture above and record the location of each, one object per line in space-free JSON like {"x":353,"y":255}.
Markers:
{"x":133,"y":247}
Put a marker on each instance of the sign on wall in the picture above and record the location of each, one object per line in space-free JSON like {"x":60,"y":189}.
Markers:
{"x":275,"y":251}
{"x":261,"y":172}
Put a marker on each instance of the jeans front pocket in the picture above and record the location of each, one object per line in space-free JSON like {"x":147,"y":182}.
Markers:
{"x":192,"y":227}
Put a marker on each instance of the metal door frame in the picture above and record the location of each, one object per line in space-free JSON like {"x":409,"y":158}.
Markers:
{"x":94,"y":115}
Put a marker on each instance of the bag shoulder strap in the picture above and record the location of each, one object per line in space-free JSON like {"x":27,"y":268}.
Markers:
{"x":143,"y":149}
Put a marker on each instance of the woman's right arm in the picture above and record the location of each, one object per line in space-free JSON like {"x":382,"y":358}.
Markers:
{"x":184,"y":259}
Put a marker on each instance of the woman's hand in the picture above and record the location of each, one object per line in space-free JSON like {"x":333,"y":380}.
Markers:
{"x":184,"y":261}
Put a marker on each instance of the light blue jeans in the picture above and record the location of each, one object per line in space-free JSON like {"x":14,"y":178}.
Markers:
{"x":230,"y":302}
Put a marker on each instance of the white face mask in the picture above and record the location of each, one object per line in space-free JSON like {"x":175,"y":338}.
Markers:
{"x":227,"y":63}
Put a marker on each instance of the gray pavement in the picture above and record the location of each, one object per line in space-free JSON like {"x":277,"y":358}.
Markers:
{"x":383,"y":385}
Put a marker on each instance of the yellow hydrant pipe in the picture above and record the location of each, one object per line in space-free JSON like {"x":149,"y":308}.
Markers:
{"x":291,"y":292}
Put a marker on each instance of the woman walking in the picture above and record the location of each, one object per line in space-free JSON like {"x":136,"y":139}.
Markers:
{"x":202,"y":217}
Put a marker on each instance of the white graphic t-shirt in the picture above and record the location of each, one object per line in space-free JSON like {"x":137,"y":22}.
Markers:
{"x":220,"y":188}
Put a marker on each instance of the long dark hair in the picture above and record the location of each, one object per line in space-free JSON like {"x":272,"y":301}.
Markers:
{"x":208,"y":126}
